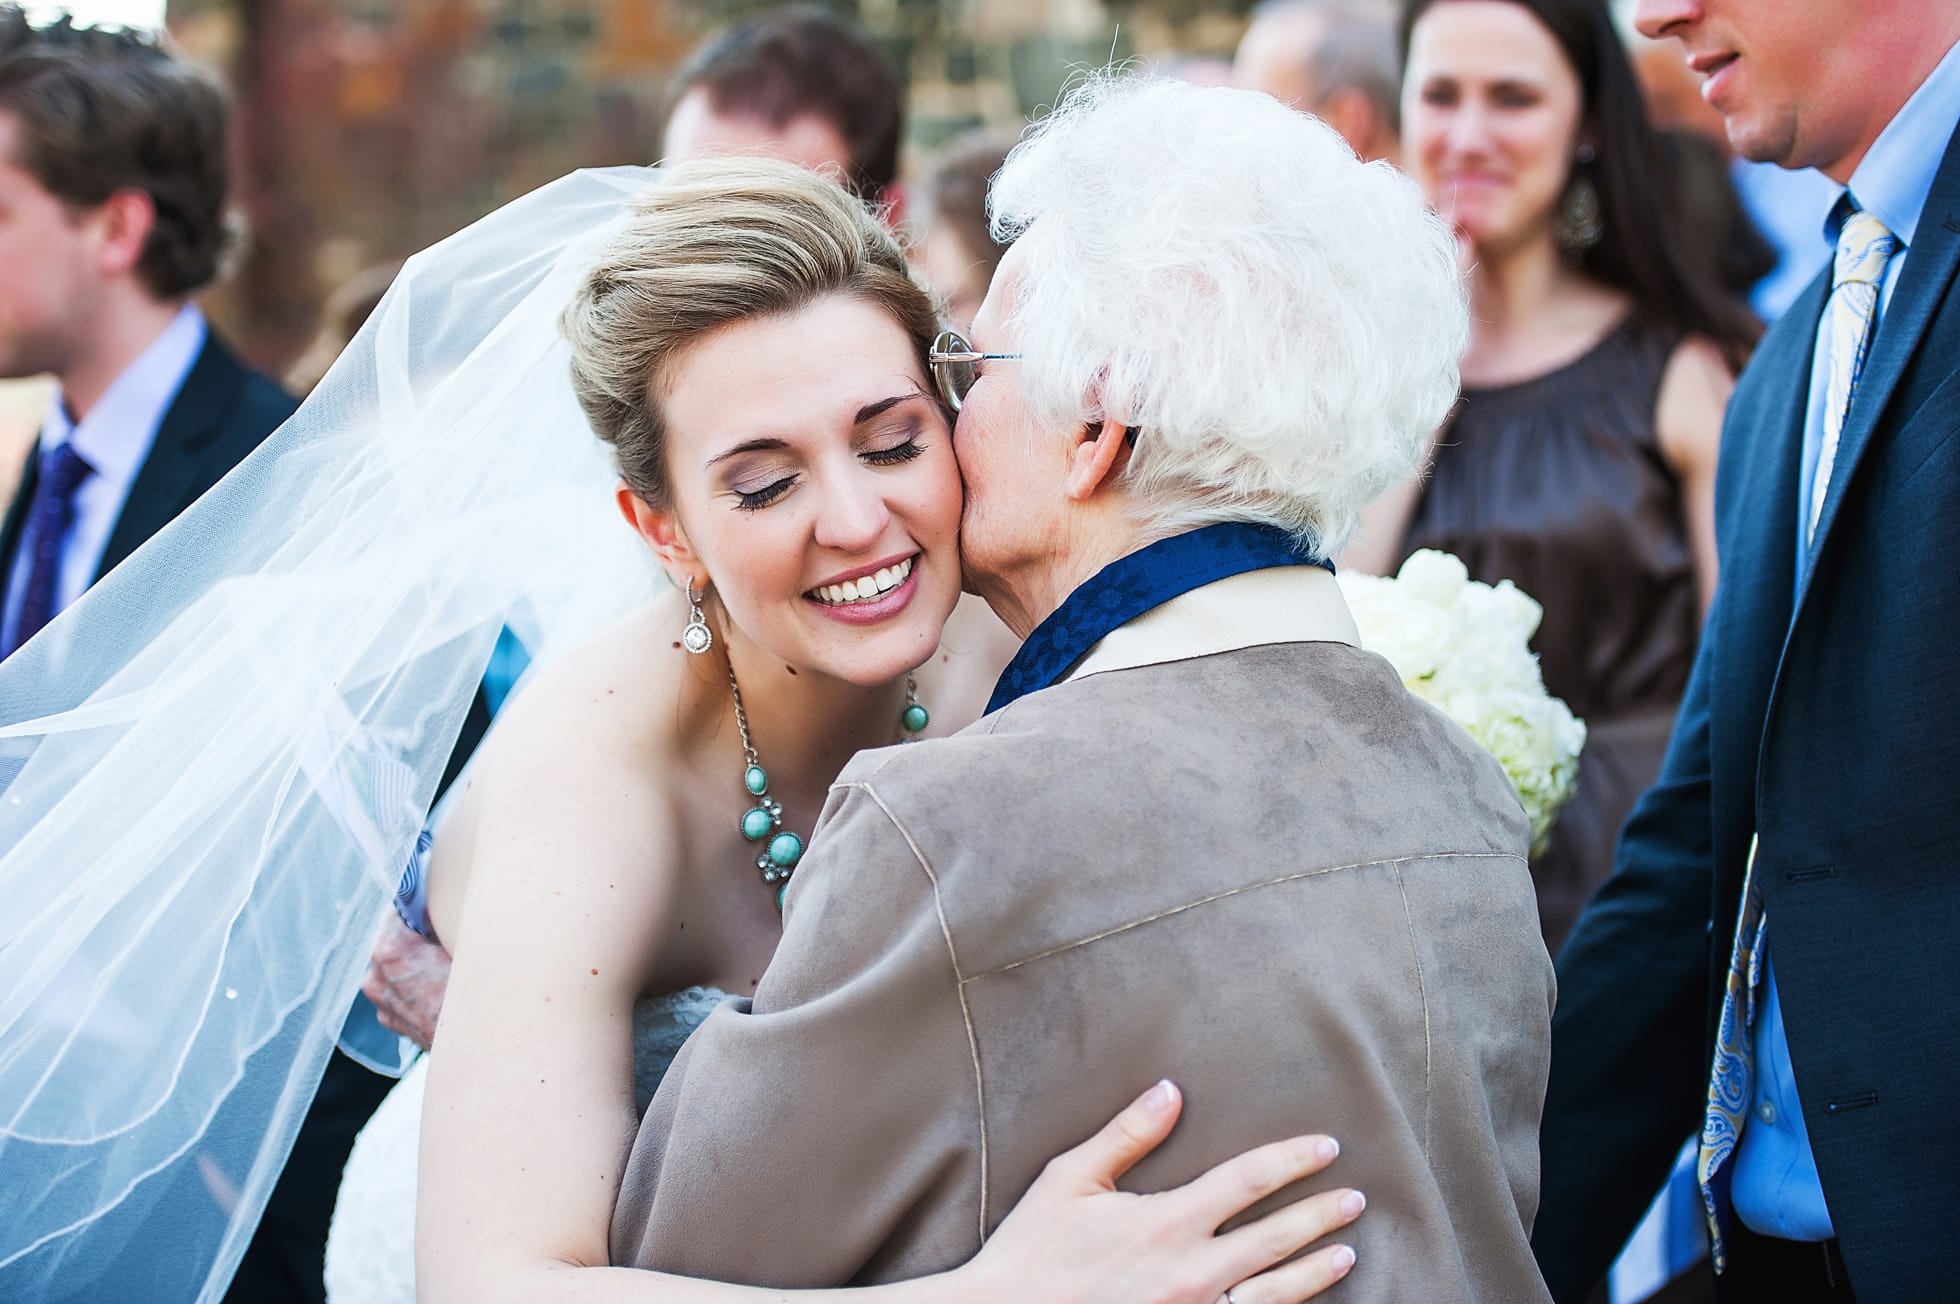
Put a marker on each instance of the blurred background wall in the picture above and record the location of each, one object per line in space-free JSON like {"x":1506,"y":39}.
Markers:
{"x":371,"y":128}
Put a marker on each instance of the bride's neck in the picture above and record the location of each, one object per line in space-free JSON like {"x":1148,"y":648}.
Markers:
{"x":804,"y":725}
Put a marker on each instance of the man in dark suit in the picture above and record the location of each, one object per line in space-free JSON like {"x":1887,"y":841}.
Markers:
{"x":112,"y":196}
{"x":1782,"y":921}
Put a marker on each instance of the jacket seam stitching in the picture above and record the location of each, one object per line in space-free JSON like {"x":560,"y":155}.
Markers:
{"x":1422,"y":995}
{"x":1392,"y":862}
{"x":959,"y":990}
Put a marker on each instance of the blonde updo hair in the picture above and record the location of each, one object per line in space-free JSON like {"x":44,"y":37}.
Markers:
{"x":719,"y":241}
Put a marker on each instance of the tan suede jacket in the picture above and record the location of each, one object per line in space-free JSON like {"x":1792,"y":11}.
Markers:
{"x":1269,"y":874}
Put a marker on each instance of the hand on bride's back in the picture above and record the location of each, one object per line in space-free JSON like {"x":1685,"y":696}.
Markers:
{"x":1075,"y":1237}
{"x":406,"y":979}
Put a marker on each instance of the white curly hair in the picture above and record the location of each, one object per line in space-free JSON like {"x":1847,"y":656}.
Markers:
{"x":1282,"y":321}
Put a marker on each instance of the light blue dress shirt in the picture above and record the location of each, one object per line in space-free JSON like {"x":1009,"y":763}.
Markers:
{"x":1775,"y":1186}
{"x":115,"y":440}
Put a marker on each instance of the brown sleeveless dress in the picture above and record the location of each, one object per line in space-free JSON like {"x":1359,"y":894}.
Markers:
{"x":1558,"y":484}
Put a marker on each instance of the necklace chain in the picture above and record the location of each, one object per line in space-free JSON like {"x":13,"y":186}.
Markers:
{"x":764,"y":819}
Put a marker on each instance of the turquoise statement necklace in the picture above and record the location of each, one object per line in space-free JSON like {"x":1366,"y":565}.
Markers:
{"x":763,"y":822}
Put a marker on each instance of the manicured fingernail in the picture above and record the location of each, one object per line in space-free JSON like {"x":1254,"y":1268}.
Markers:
{"x":1343,"y":1260}
{"x":1158,"y":1099}
{"x":1353,"y":1203}
{"x":1327,"y":1149}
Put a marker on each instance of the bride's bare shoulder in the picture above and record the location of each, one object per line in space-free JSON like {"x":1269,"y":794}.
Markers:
{"x":578,"y":767}
{"x":605,"y":691}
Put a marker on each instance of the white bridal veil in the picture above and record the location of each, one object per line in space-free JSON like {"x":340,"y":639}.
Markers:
{"x":214,"y":766}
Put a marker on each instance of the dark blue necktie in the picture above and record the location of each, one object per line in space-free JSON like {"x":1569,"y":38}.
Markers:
{"x":50,"y":515}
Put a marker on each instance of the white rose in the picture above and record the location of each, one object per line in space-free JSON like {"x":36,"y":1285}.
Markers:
{"x":1433,"y":576}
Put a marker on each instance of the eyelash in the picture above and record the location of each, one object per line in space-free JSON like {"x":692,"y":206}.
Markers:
{"x":896,"y":455}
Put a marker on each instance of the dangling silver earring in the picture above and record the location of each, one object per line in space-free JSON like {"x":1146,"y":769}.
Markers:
{"x":696,"y":637}
{"x":1580,"y":222}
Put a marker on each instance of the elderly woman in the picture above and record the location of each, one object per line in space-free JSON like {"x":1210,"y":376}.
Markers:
{"x":1198,"y":828}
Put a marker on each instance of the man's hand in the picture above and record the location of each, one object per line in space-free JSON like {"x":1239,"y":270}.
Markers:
{"x":406,"y":978}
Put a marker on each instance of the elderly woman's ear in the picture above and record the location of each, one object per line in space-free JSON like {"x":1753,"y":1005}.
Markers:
{"x":1100,"y":451}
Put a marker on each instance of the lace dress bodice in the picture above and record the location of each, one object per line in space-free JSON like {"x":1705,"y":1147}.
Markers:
{"x":371,"y":1245}
{"x":660,"y":1025}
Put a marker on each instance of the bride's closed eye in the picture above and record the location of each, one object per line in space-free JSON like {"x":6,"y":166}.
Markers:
{"x":754,"y":500}
{"x":897,"y":454}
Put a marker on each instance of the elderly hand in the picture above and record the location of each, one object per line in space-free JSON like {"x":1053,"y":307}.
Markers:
{"x":1074,"y":1236}
{"x":406,"y":978}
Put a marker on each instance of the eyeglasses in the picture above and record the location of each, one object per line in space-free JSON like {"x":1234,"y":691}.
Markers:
{"x":955,"y":366}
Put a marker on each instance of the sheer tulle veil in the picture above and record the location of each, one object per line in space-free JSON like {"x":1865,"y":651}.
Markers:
{"x":213,"y":767}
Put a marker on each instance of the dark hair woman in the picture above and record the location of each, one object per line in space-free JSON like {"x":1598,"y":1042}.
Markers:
{"x":1581,"y":461}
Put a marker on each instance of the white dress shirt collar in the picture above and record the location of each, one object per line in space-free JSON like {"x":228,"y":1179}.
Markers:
{"x":116,"y":435}
{"x":1896,"y":175}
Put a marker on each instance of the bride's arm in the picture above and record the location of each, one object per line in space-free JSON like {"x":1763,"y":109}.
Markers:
{"x":530,"y":1110}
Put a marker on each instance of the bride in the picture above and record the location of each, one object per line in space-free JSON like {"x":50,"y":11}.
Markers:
{"x":252,"y":716}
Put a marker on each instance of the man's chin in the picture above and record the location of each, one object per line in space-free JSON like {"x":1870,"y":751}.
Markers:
{"x":1763,"y":142}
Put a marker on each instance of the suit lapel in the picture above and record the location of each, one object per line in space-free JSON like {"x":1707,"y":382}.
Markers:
{"x":1929,"y":268}
{"x":169,"y":476}
{"x":1758,"y":534}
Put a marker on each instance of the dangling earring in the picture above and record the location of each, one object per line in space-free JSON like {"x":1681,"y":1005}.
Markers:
{"x":696,"y":637}
{"x":1580,"y":223}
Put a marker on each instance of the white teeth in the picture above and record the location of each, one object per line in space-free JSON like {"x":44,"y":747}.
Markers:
{"x":865,"y":588}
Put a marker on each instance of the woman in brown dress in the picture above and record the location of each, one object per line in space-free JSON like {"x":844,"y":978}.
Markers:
{"x":1581,"y":462}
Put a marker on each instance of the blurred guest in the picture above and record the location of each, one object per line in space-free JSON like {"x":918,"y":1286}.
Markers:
{"x":347,"y":310}
{"x":797,"y":83}
{"x":1335,"y":59}
{"x":956,"y":250}
{"x":1723,"y":239}
{"x":1581,"y":461}
{"x":1194,"y":69}
{"x":112,"y":178}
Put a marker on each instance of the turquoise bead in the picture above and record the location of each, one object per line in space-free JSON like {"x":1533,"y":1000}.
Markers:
{"x":916,"y":718}
{"x":786,"y":849}
{"x":779,"y":894}
{"x":756,"y":823}
{"x":757,"y":780}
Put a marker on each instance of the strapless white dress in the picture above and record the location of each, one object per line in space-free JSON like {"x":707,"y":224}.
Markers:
{"x":371,"y":1244}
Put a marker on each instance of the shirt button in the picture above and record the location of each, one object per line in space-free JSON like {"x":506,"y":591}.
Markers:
{"x":1767,"y":1112}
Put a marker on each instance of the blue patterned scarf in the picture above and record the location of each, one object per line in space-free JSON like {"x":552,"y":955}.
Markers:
{"x":1128,"y":587}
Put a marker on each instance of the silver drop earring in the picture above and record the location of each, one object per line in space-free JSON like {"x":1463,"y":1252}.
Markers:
{"x":696,"y":637}
{"x":1581,"y":221}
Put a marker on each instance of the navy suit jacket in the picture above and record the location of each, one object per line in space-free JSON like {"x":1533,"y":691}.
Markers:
{"x":1827,"y":722}
{"x":220,"y":414}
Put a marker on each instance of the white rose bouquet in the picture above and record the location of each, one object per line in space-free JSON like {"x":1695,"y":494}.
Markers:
{"x":1464,"y":647}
